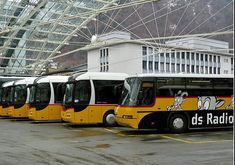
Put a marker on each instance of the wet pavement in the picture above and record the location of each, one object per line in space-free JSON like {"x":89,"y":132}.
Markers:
{"x":24,"y":142}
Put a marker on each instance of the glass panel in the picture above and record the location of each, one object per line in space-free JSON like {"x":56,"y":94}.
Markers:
{"x":107,"y":91}
{"x":43,"y":93}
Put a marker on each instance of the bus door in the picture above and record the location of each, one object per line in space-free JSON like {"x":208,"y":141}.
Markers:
{"x":82,"y":96}
{"x":146,"y":94}
{"x":145,"y":98}
{"x":107,"y":94}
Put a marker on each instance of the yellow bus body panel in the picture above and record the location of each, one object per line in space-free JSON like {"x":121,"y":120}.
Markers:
{"x":5,"y":111}
{"x":51,"y":112}
{"x":161,"y":104}
{"x":0,"y":110}
{"x":93,"y":114}
{"x":21,"y":112}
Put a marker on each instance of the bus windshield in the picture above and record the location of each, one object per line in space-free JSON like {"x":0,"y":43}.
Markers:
{"x":20,"y":94}
{"x":68,"y":97}
{"x":32,"y":89}
{"x":130,"y":92}
{"x":43,"y":93}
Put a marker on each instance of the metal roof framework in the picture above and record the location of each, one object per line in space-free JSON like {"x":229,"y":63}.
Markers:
{"x":33,"y":31}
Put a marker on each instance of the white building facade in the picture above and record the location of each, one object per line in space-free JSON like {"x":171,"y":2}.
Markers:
{"x":133,"y":57}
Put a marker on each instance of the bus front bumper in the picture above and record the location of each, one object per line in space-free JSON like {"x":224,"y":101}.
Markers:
{"x":127,"y":121}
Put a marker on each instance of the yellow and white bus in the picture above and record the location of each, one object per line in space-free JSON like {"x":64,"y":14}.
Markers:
{"x":91,"y":98}
{"x":176,"y":101}
{"x":21,"y":98}
{"x":7,"y":98}
{"x":46,"y":97}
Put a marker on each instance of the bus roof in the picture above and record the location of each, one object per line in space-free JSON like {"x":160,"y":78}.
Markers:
{"x":100,"y":76}
{"x":56,"y":79}
{"x":26,"y":81}
{"x":185,"y":75}
{"x":7,"y":84}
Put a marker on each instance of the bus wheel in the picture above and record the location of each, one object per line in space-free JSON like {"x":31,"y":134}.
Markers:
{"x":178,"y":123}
{"x":109,"y":119}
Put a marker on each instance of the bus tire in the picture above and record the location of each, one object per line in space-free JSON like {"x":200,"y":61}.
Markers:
{"x":109,"y":119}
{"x":178,"y":123}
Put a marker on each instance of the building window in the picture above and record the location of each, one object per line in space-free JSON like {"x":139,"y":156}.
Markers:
{"x":192,"y":69}
{"x":206,"y":69}
{"x":214,"y":70}
{"x":178,"y":68}
{"x":183,"y":67}
{"x":104,"y":60}
{"x":151,"y":65}
{"x":218,"y":71}
{"x":150,"y":49}
{"x":192,"y":56}
{"x":187,"y":56}
{"x":188,"y":69}
{"x":172,"y":67}
{"x":178,"y":55}
{"x":144,"y":65}
{"x":183,"y":55}
{"x":206,"y":57}
{"x":231,"y":61}
{"x":210,"y":58}
{"x":210,"y":70}
{"x":156,"y":67}
{"x":144,"y":50}
{"x":214,"y":59}
{"x":218,"y":59}
{"x":202,"y":71}
{"x":162,"y":66}
{"x":173,"y":55}
{"x":167,"y":67}
{"x":201,"y":57}
{"x":197,"y":69}
{"x":162,"y":57}
{"x":167,"y":55}
{"x":197,"y":56}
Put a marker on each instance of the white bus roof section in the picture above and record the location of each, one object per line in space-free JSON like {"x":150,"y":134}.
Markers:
{"x":185,"y":75}
{"x":101,"y":76}
{"x":26,"y":81}
{"x":7,"y":84}
{"x":52,"y":79}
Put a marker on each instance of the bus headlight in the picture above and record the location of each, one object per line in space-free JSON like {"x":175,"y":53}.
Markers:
{"x":68,"y":114}
{"x":127,"y":117}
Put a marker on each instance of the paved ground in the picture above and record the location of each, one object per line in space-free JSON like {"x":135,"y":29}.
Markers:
{"x":22,"y":142}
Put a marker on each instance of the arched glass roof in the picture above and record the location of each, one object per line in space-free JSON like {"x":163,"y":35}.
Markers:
{"x":33,"y":31}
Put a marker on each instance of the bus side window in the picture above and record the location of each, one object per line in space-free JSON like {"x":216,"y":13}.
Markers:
{"x":223,"y":87}
{"x":168,"y":87}
{"x":199,"y":87}
{"x":107,"y":91}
